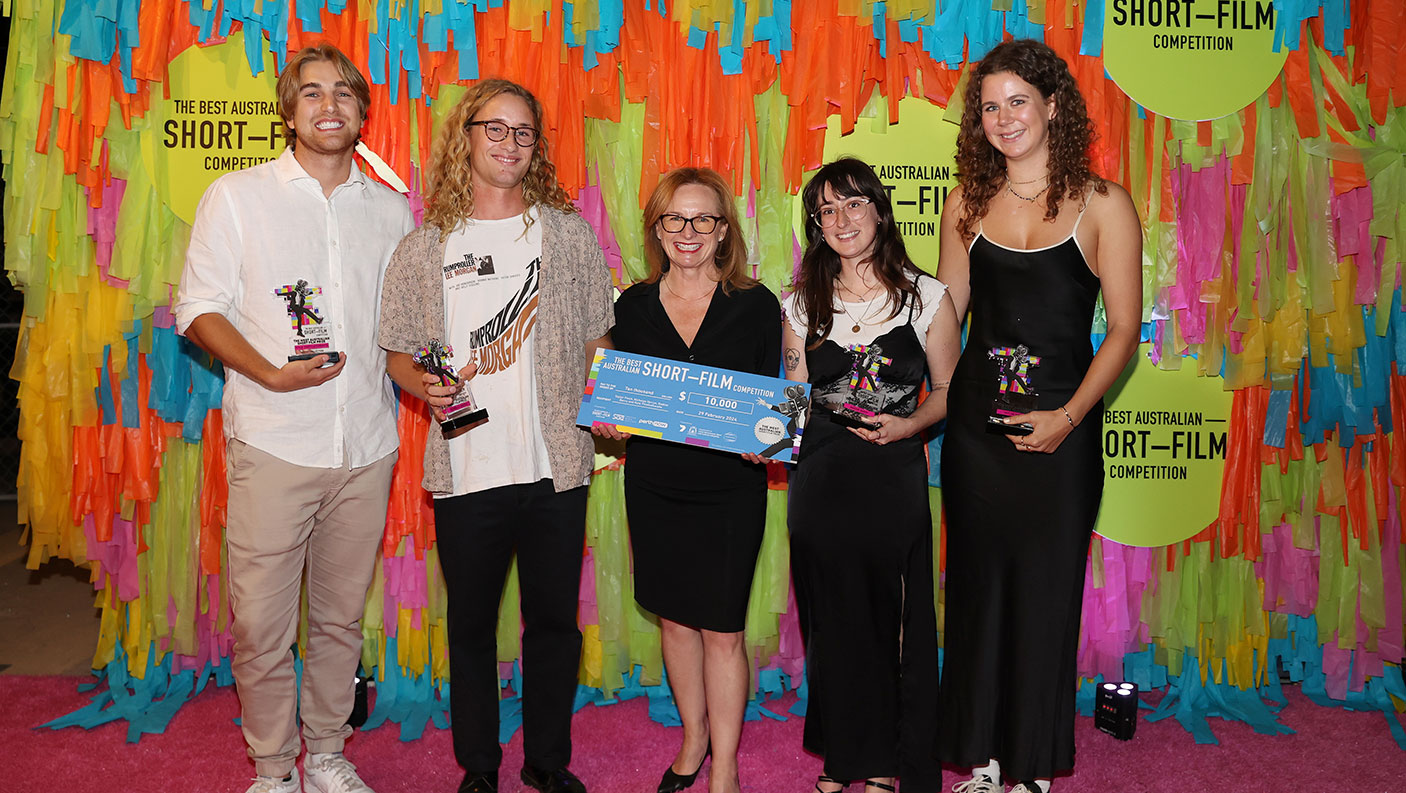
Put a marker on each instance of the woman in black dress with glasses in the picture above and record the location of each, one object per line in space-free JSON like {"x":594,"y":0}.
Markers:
{"x":866,"y":328}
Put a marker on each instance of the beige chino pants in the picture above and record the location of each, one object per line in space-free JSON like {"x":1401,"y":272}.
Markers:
{"x":286,"y":519}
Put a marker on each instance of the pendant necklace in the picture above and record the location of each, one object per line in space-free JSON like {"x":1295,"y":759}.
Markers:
{"x":845,"y":308}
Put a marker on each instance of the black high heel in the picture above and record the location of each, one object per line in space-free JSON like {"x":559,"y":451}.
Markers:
{"x":674,"y":782}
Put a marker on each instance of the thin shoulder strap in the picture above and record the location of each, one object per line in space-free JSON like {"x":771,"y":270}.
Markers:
{"x":1088,"y":199}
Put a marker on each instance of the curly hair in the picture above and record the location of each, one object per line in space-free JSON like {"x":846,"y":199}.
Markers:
{"x":981,"y":169}
{"x":449,"y":197}
{"x":290,"y":81}
{"x":731,"y":254}
{"x":849,"y":177}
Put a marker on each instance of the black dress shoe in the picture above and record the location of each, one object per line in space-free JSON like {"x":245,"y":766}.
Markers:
{"x":559,"y":781}
{"x":673,"y":782}
{"x":479,"y":783}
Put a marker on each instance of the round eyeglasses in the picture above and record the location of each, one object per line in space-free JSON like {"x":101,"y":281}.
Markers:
{"x":496,"y":131}
{"x":854,"y":209}
{"x":702,"y":224}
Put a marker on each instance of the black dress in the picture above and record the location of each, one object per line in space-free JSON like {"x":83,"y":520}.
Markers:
{"x":697,"y":515}
{"x":861,"y":561}
{"x":1018,"y":523}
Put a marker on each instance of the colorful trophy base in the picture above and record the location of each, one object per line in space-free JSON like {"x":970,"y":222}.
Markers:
{"x":464,"y":419}
{"x":332,"y":357}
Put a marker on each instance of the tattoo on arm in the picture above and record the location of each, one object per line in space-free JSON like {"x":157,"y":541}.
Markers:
{"x":793,"y":359}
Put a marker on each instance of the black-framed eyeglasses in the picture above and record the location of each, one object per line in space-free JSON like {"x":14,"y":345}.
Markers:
{"x":854,"y":209}
{"x":702,"y":224}
{"x":496,"y":131}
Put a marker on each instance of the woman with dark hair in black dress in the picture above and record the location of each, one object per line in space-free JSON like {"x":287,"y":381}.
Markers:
{"x":864,"y":325}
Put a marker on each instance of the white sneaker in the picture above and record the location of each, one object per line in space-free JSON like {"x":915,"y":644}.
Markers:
{"x":271,"y":784}
{"x":331,"y":773}
{"x":980,"y":783}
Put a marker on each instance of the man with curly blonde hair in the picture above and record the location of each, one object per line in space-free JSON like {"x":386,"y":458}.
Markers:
{"x":509,"y":276}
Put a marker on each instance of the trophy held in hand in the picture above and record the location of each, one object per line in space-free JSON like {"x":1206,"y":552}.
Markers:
{"x":437,"y":359}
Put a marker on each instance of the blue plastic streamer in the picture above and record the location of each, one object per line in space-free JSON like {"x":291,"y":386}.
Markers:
{"x":1091,"y":43}
{"x":1289,"y":16}
{"x":131,"y":404}
{"x":661,"y":702}
{"x":310,"y":15}
{"x":1276,"y":418}
{"x":91,"y":35}
{"x":1336,"y":19}
{"x":730,"y":54}
{"x":803,"y":693}
{"x":104,"y":397}
{"x":775,"y":30}
{"x":879,"y":25}
{"x":409,"y":700}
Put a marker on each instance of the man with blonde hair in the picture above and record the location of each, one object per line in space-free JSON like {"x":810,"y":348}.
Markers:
{"x":288,"y":257}
{"x":513,"y":279}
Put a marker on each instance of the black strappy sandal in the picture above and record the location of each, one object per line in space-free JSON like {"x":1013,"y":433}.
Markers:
{"x":822,"y":778}
{"x":868,"y":783}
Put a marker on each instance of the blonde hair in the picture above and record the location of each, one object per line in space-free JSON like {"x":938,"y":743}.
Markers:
{"x":731,"y":254}
{"x":291,"y":80}
{"x":449,"y":180}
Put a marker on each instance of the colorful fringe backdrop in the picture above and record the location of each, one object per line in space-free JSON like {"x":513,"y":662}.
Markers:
{"x":1274,"y":245}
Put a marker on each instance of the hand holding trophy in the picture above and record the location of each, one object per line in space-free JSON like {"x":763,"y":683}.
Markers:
{"x":1015,"y":394}
{"x":311,"y":336}
{"x":435,"y":356}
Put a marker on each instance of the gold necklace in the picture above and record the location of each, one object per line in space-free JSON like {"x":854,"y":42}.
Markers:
{"x":1027,"y":199}
{"x":665,"y":282}
{"x":845,"y":308}
{"x":1029,"y":181}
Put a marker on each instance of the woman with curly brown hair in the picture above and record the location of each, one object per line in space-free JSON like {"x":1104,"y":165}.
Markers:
{"x":1030,"y":240}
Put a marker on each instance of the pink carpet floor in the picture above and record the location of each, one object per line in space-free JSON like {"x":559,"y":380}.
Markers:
{"x":619,"y":750}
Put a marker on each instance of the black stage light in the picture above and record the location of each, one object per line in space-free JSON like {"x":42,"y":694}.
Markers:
{"x":1115,"y":709}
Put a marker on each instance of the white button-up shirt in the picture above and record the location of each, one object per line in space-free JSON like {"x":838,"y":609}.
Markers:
{"x":269,"y":226}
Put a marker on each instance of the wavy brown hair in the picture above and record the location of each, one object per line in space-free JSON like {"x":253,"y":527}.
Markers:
{"x":731,"y":254}
{"x":981,"y":169}
{"x":449,"y":199}
{"x":848,"y":177}
{"x":291,"y":80}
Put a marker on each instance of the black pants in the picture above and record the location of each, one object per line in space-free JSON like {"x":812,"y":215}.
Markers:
{"x":477,"y":535}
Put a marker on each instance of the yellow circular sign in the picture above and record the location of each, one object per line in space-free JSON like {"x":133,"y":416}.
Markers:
{"x":1191,"y":59}
{"x":1164,"y":441}
{"x":914,"y":159}
{"x":219,"y":119}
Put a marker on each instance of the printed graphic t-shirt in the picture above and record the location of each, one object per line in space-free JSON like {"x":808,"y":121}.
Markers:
{"x":491,"y":280}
